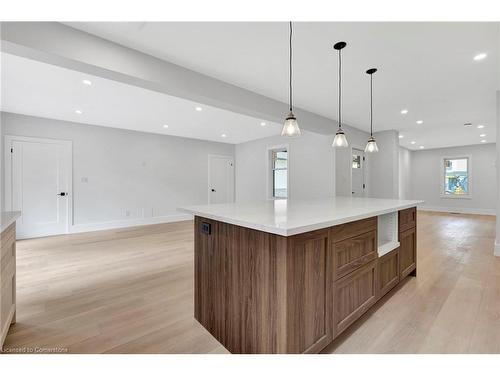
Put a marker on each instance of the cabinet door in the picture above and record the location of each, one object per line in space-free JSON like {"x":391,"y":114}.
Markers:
{"x":354,"y":295}
{"x":7,"y":280}
{"x":407,"y":252}
{"x":309,"y":293}
{"x":388,"y":272}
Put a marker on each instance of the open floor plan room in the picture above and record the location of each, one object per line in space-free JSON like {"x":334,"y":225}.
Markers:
{"x":250,"y":186}
{"x":82,"y":302}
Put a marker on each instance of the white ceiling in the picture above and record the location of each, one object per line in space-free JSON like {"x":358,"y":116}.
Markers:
{"x":427,"y":68}
{"x":38,"y":89}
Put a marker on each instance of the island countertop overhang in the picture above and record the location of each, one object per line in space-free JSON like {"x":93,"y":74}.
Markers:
{"x":287,"y":217}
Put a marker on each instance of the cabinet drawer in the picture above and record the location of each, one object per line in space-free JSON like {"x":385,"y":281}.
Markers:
{"x":407,"y":219}
{"x":388,"y":272}
{"x":353,"y":253}
{"x":407,"y":252}
{"x":354,"y":295}
{"x":343,"y":231}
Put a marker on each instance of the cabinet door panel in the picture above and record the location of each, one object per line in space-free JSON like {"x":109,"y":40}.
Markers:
{"x":388,"y":272}
{"x":407,"y":252}
{"x":7,"y":281}
{"x":354,"y":295}
{"x":309,"y":293}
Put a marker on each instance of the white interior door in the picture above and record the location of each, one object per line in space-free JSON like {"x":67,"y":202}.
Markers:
{"x":358,"y":173}
{"x":38,"y":184}
{"x":220,"y":179}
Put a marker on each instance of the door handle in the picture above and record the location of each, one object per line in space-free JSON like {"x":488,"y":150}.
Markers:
{"x":62,"y":194}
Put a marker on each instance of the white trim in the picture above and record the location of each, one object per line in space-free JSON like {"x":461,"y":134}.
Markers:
{"x":363,"y":163}
{"x":496,"y":250}
{"x":460,"y":210}
{"x":269,"y":184}
{"x":216,"y":156}
{"x":91,"y":227}
{"x":469,"y":177}
{"x":68,"y":144}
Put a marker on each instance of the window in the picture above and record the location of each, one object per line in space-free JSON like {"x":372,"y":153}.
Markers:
{"x":279,"y":172}
{"x":456,"y":177}
{"x":356,"y":161}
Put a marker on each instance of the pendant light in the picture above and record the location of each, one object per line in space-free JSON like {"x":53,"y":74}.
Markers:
{"x":371,"y":145}
{"x":340,"y":140}
{"x":290,"y":126}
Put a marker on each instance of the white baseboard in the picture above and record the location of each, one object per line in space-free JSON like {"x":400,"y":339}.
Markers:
{"x":460,"y":210}
{"x":91,"y":227}
{"x":496,"y":251}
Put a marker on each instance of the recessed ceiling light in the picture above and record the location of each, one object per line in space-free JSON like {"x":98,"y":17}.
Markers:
{"x":483,"y":140}
{"x":87,"y":82}
{"x":413,"y":142}
{"x":199,"y":109}
{"x":262,"y":123}
{"x":421,"y":147}
{"x":467,"y":124}
{"x":165,"y":126}
{"x":404,"y":111}
{"x":480,"y":126}
{"x":78,"y":112}
{"x":482,"y":135}
{"x":480,"y":56}
{"x":223,"y":136}
{"x":420,"y":122}
{"x":401,"y":136}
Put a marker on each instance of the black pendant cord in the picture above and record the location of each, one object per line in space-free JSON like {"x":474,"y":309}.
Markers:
{"x":340,"y":88}
{"x":290,"y":67}
{"x":371,"y":105}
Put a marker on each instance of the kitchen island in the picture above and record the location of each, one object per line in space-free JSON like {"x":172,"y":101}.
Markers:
{"x":288,"y":276}
{"x":7,"y":272}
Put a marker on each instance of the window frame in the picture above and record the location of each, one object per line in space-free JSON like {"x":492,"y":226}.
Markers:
{"x":270,"y":171}
{"x":469,"y":177}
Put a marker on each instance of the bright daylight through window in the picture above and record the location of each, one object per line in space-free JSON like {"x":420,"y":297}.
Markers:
{"x":456,"y":177}
{"x":280,"y":173}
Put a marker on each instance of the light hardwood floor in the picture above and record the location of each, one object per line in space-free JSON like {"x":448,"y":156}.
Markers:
{"x":131,"y":291}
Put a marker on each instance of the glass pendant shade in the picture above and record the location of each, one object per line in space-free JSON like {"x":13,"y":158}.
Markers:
{"x":340,"y":140}
{"x":371,"y":145}
{"x":290,"y":126}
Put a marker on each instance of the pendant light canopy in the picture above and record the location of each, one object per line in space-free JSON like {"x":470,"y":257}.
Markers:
{"x":371,"y":145}
{"x":340,"y":140}
{"x":290,"y":126}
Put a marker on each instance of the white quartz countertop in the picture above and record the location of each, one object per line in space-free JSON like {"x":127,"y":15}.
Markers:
{"x":289,"y":217}
{"x":7,"y":218}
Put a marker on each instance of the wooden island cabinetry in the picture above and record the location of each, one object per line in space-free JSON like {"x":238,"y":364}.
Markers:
{"x":7,"y":273}
{"x":263,"y":292}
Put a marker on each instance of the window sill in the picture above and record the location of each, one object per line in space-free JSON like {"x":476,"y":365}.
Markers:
{"x":467,"y":196}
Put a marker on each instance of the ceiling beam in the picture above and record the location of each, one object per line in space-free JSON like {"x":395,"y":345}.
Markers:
{"x":64,"y":46}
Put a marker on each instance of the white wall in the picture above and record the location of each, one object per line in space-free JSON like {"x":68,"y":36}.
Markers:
{"x":404,"y":173}
{"x":426,"y":172}
{"x":311,"y":167}
{"x":384,"y":166}
{"x":149,"y":175}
